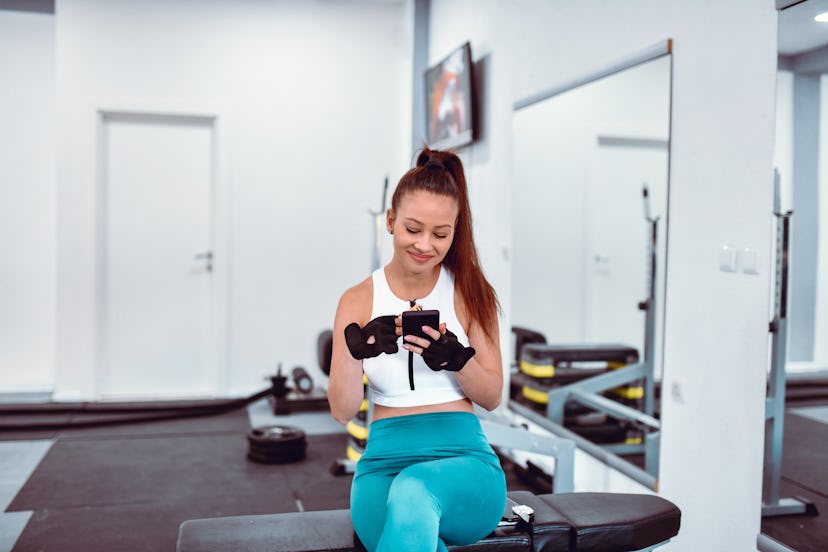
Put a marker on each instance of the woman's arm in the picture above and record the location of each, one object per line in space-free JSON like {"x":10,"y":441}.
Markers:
{"x":482,"y":377}
{"x":345,"y":388}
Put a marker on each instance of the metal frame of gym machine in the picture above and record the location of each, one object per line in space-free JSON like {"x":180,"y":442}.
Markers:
{"x":772,"y":504}
{"x":588,"y":391}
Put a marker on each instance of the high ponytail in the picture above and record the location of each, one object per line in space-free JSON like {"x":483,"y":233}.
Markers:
{"x":441,"y":172}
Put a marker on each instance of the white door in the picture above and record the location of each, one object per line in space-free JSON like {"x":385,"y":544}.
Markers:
{"x":619,"y":234}
{"x":156,"y":257}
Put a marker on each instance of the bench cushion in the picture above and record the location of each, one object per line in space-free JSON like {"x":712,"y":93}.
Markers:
{"x":300,"y":531}
{"x":329,"y":531}
{"x":616,"y":521}
{"x":583,"y":522}
{"x":551,"y":530}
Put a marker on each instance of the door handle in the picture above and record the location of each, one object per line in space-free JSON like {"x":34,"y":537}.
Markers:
{"x":207,"y":256}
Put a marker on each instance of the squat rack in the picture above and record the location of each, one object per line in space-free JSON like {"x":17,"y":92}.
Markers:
{"x":772,"y":504}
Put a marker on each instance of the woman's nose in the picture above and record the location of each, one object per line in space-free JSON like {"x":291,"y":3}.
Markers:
{"x":424,"y":243}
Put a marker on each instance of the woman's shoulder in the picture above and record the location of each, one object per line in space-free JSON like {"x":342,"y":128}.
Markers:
{"x":361,"y":290}
{"x":358,"y":297}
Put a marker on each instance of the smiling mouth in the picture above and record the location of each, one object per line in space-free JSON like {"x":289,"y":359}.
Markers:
{"x":420,"y":258}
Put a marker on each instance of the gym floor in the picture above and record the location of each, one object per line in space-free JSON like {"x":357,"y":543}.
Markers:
{"x":129,"y":487}
{"x":804,"y":476}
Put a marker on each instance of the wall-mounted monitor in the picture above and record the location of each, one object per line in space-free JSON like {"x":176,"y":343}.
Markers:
{"x":450,"y":101}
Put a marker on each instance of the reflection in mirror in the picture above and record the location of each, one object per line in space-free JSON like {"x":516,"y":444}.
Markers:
{"x":800,"y":137}
{"x":798,"y":367}
{"x":585,"y":277}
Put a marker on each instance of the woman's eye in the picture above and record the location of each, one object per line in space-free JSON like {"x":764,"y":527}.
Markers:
{"x":440,"y":236}
{"x":412,"y":230}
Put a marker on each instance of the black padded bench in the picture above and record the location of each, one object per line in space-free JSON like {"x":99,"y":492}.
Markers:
{"x":563,"y":522}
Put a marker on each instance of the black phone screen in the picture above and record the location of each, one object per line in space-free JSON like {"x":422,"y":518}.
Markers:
{"x":413,"y":321}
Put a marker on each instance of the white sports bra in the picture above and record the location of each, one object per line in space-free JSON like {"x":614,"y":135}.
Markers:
{"x":388,"y":374}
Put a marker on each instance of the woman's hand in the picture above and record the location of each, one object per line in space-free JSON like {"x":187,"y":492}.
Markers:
{"x":377,"y":337}
{"x":443,"y":352}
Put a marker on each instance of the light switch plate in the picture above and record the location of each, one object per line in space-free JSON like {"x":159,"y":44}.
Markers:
{"x":727,"y":258}
{"x":749,"y":260}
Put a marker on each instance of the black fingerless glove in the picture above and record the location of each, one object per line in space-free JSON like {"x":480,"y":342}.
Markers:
{"x":382,"y":329}
{"x":447,"y":353}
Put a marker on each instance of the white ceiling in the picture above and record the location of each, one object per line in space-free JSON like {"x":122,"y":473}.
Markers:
{"x":798,"y":32}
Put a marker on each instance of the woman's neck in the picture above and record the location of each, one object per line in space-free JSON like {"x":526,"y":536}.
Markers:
{"x":410,"y":285}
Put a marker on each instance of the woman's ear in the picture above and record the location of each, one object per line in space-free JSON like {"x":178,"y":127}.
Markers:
{"x":389,"y":221}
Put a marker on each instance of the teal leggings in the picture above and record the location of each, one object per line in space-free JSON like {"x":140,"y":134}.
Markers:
{"x":425,"y":481}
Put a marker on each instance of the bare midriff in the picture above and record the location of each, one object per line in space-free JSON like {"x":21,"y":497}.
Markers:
{"x":460,"y":405}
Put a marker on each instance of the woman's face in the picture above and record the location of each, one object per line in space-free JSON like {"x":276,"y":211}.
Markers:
{"x":423,"y":229}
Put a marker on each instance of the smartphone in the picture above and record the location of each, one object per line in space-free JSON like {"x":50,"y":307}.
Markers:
{"x":413,"y":321}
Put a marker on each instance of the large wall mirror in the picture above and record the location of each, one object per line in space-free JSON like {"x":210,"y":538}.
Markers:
{"x":800,"y":158}
{"x":589,"y":226}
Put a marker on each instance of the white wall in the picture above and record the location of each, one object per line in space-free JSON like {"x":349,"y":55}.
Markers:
{"x":721,"y":192}
{"x":821,"y":329}
{"x":549,"y":191}
{"x":313,"y":101}
{"x":27,"y":202}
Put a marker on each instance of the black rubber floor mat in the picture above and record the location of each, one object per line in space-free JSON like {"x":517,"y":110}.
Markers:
{"x":805,"y":476}
{"x":131,"y":492}
{"x":805,"y":453}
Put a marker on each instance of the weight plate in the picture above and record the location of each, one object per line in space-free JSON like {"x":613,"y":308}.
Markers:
{"x":275,"y":435}
{"x":276,"y":444}
{"x":278,"y":448}
{"x":358,"y":430}
{"x":279,"y":458}
{"x":358,"y":444}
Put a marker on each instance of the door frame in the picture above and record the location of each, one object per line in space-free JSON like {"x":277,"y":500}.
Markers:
{"x":220,"y":228}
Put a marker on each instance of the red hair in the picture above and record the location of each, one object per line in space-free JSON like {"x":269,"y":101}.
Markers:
{"x":441,"y":172}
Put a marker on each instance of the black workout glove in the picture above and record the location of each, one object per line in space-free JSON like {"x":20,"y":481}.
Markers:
{"x":382,"y":329}
{"x":447,"y":353}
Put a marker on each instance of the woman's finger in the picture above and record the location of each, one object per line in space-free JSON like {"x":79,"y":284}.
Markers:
{"x":432,"y":333}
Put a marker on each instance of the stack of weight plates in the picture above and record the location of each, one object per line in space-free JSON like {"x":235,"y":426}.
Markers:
{"x":544,"y":367}
{"x":631,"y":394}
{"x":276,"y":444}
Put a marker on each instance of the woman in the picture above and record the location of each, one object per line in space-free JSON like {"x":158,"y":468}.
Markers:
{"x":428,"y":476}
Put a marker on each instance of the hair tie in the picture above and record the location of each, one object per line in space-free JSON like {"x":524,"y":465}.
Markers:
{"x":433,"y":162}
